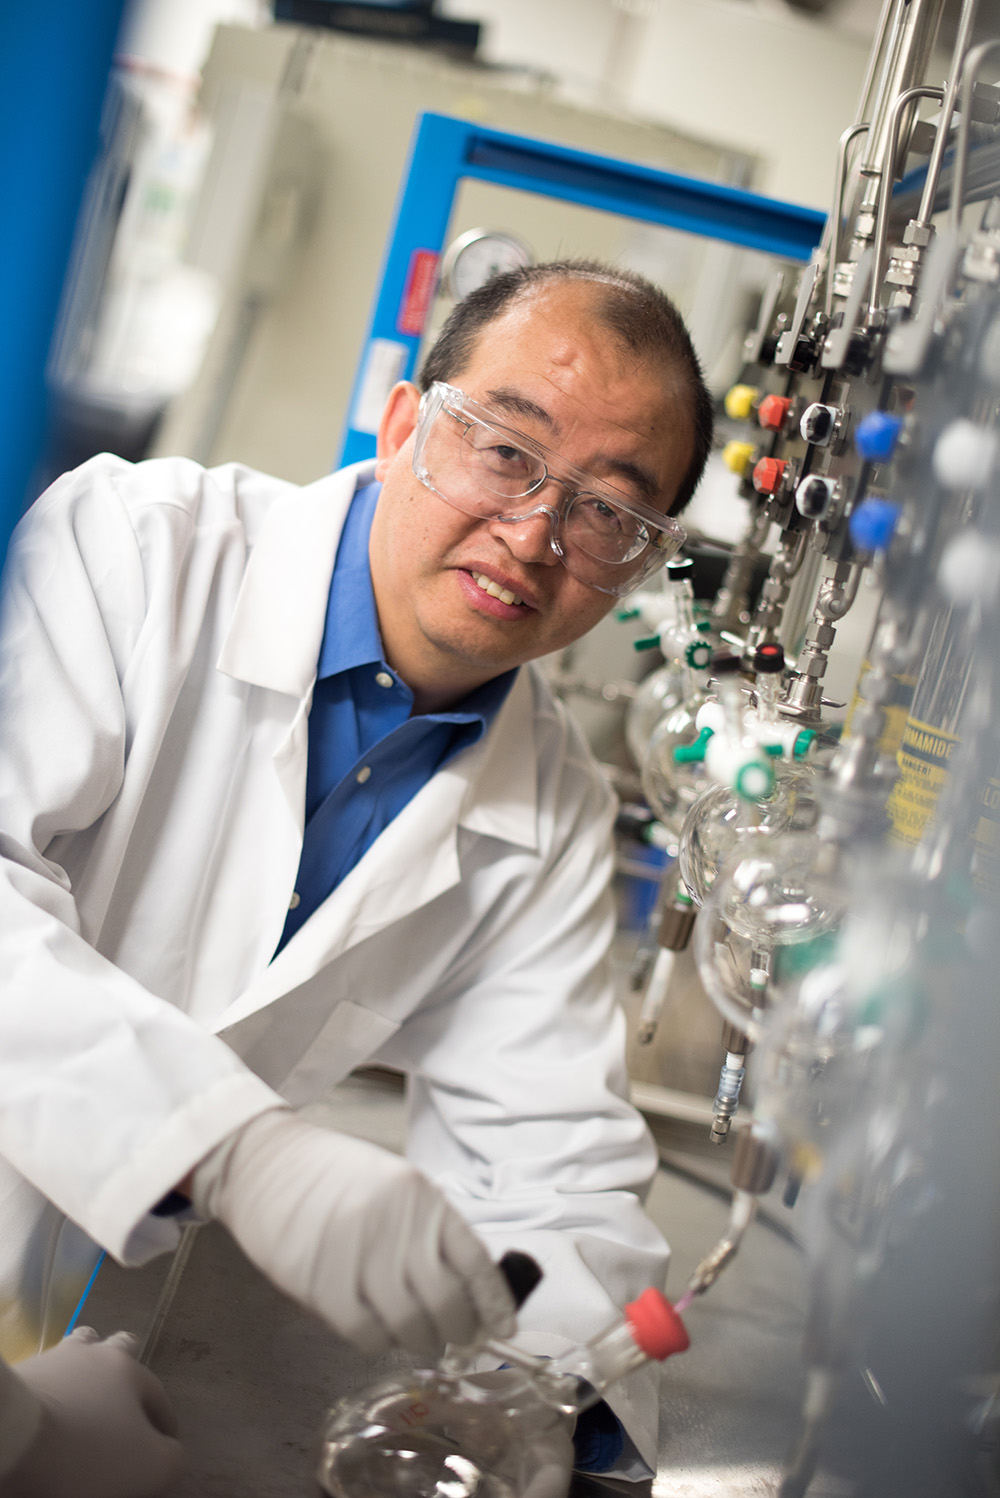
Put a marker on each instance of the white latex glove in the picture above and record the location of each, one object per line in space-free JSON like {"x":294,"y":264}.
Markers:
{"x":106,"y":1427}
{"x":354,"y":1233}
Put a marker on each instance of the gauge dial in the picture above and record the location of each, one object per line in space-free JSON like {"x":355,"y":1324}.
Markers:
{"x":478,"y":255}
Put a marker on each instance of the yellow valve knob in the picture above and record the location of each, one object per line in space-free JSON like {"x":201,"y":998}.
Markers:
{"x":739,"y":401}
{"x":738,"y":456}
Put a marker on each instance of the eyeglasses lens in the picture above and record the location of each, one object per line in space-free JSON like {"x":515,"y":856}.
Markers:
{"x":473,"y":465}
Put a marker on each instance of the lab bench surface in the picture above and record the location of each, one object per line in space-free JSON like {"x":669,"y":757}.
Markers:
{"x":251,"y":1375}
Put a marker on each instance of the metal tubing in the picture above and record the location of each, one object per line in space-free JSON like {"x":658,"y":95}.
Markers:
{"x":951,"y":92}
{"x":835,"y":596}
{"x":835,"y":221}
{"x":885,"y":196}
{"x":973,"y":63}
{"x":910,"y":49}
{"x":864,"y":109}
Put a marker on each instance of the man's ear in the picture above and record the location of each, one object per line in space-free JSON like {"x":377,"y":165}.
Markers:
{"x":399,"y":420}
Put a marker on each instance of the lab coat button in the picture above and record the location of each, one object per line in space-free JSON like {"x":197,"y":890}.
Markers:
{"x":295,"y":901}
{"x":383,"y":678}
{"x":363,"y":774}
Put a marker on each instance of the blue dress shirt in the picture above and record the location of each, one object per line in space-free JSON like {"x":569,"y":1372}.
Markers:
{"x":367,"y":756}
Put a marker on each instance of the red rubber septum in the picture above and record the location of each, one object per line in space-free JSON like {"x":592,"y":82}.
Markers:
{"x":656,"y":1326}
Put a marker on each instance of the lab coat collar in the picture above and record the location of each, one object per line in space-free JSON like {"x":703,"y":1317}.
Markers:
{"x":501,"y":796}
{"x":276,"y":630}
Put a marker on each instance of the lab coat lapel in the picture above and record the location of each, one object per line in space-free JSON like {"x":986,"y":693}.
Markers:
{"x":277,"y":625}
{"x":489,"y":790}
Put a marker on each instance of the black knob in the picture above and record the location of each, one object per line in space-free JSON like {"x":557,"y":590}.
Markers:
{"x":521,"y":1272}
{"x":817,"y":422}
{"x":769,"y":659}
{"x":813,"y":496}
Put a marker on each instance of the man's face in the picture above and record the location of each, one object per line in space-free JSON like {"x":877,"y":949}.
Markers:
{"x":549,"y":368}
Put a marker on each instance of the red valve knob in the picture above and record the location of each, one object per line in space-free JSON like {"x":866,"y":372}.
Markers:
{"x":772,"y":411}
{"x":768,"y":474}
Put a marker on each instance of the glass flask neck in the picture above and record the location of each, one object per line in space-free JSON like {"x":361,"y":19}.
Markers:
{"x":575,"y":1379}
{"x":767,"y":687}
{"x":578,"y":1378}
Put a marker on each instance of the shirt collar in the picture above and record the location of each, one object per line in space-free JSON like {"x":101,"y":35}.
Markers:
{"x":351,"y":636}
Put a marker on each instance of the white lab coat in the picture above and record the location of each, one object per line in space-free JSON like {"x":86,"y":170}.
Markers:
{"x":161,"y":633}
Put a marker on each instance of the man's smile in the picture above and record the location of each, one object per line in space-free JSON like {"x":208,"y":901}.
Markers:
{"x":493,"y":593}
{"x":494,"y":589}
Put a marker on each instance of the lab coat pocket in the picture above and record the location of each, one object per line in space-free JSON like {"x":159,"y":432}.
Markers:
{"x":350,"y":1037}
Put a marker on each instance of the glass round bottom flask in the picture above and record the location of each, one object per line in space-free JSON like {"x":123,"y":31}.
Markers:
{"x":848,"y":1006}
{"x":430,"y":1434}
{"x":671,"y":787}
{"x":774,"y":892}
{"x":657,"y":694}
{"x":719,"y":818}
{"x":447,"y":1432}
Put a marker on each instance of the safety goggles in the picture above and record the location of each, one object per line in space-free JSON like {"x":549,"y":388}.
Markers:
{"x":466,"y":456}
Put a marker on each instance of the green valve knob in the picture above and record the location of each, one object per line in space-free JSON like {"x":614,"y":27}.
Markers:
{"x":773,"y":750}
{"x":691,"y":754}
{"x":646,"y":642}
{"x":803,"y":743}
{"x":704,"y":626}
{"x":622,"y":615}
{"x":754,"y":781}
{"x":698,"y":655}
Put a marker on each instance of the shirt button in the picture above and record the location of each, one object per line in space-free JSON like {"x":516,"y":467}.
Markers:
{"x":363,"y":774}
{"x":384,"y":679}
{"x":295,"y":901}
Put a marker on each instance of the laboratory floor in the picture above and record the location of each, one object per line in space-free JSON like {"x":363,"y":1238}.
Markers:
{"x":251,"y":1375}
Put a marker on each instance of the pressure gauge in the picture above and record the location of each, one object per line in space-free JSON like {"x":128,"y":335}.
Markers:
{"x":473,"y":258}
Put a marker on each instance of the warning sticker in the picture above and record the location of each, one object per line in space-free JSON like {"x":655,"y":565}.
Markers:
{"x":421,"y":282}
{"x":923,"y":760}
{"x":385,"y":362}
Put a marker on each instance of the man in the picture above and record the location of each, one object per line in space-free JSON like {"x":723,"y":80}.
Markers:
{"x":262,"y":827}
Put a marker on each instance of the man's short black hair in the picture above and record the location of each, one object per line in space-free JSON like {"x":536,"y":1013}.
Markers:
{"x":642,"y":316}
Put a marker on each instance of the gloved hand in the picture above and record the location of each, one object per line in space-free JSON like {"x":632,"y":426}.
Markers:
{"x":354,"y":1233}
{"x":107,"y":1429}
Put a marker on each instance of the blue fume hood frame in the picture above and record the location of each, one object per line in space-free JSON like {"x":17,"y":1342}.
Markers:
{"x":54,"y":61}
{"x":446,"y":151}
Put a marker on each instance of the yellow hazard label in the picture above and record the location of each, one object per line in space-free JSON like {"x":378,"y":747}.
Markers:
{"x":923,"y":759}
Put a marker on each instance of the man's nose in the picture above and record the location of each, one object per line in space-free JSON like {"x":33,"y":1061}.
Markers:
{"x":531,"y":534}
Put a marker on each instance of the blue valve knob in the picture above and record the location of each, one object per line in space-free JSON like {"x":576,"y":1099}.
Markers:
{"x":877,"y":435}
{"x":873,"y":524}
